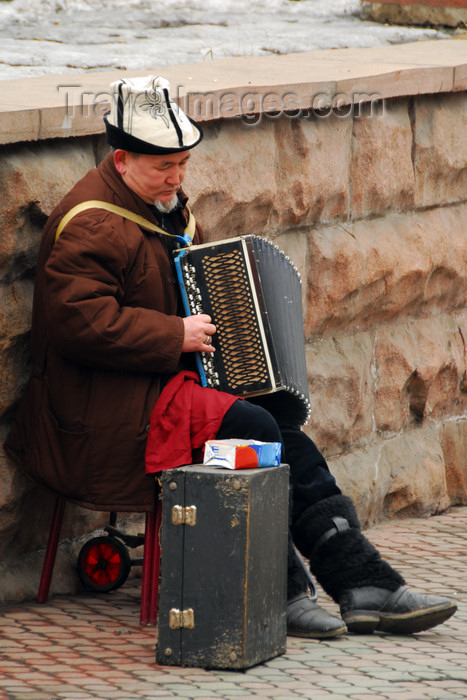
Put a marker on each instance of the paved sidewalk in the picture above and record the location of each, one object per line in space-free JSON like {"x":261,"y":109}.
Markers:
{"x":84,"y":647}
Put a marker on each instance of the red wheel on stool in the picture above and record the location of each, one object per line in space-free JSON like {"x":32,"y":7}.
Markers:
{"x":103,"y":564}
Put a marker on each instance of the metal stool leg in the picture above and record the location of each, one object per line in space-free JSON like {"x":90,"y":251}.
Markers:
{"x":149,"y":538}
{"x":156,"y":557}
{"x":51,"y":550}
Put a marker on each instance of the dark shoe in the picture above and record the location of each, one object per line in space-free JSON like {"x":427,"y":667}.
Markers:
{"x":306,"y":619}
{"x":367,"y":609}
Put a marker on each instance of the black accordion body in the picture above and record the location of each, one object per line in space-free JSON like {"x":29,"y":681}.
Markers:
{"x":252,"y":291}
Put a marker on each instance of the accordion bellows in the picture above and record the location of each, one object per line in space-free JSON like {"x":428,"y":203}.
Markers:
{"x":252,"y":291}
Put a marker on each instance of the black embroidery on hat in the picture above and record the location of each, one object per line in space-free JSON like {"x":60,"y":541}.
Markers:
{"x":120,"y":107}
{"x":173,"y":118}
{"x":154,"y":105}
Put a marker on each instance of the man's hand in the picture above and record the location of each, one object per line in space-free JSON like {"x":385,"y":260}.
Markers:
{"x":198,"y":332}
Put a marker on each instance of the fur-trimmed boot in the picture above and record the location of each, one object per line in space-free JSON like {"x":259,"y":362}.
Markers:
{"x":304,"y":617}
{"x":371,"y":594}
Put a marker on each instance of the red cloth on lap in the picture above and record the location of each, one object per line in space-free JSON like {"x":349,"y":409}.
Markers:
{"x":184,"y":417}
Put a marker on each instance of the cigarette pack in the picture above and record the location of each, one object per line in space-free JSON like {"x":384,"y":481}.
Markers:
{"x":241,"y":454}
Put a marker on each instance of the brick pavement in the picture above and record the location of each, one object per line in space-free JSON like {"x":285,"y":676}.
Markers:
{"x":84,"y":647}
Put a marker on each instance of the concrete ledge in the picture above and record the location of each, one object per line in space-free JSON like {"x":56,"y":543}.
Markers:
{"x":62,"y":106}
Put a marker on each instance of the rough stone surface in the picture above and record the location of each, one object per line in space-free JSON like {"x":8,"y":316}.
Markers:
{"x":419,"y":367}
{"x":440,"y":153}
{"x":15,"y":312}
{"x":231,"y":186}
{"x":317,"y":151}
{"x":385,"y":381}
{"x":396,"y":477}
{"x":373,"y":270}
{"x":372,"y":210}
{"x":340,"y":380}
{"x":453,"y":437}
{"x":417,"y":14}
{"x":382,"y":168}
{"x":32,"y":179}
{"x":274,"y":175}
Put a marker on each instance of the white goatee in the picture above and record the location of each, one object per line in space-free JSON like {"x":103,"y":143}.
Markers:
{"x":167,"y":207}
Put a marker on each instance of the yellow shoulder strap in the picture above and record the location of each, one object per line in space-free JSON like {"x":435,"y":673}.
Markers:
{"x":191,"y":225}
{"x":126,"y":213}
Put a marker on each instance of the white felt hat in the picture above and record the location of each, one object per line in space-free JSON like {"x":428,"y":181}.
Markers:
{"x":143,"y":118}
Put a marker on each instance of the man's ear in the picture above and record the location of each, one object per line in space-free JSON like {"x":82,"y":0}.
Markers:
{"x":120,"y":160}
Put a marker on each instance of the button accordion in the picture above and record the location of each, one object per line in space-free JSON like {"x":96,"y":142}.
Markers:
{"x":252,"y":291}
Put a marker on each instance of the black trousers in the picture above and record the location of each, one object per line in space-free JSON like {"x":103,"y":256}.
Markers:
{"x":310,"y":478}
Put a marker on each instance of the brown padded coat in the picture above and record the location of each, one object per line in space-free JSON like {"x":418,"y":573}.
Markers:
{"x":105,"y":334}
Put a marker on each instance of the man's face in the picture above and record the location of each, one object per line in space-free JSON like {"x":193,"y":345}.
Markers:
{"x":153,"y":178}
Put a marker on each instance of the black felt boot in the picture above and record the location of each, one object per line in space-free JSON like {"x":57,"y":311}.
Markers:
{"x":305,"y":618}
{"x":370,"y":593}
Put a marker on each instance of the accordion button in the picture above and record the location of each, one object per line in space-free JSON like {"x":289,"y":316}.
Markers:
{"x":171,"y":280}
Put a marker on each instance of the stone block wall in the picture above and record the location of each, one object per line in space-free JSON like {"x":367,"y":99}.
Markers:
{"x":372,"y":208}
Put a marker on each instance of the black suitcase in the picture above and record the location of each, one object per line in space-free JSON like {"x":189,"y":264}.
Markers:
{"x":223,"y":582}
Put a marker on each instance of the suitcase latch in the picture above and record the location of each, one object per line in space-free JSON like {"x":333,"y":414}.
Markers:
{"x":184,"y":515}
{"x":181,"y":618}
